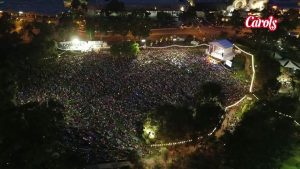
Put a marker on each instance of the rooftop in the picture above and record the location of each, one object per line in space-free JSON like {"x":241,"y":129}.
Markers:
{"x":224,"y":43}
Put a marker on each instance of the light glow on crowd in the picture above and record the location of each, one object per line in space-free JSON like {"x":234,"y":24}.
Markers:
{"x":83,"y":46}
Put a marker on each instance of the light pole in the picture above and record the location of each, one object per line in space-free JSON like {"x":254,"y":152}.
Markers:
{"x":143,"y":41}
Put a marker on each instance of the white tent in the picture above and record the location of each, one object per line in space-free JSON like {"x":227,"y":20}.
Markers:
{"x":283,"y":62}
{"x":221,"y":49}
{"x":290,"y":64}
{"x":277,"y":56}
{"x":293,"y":65}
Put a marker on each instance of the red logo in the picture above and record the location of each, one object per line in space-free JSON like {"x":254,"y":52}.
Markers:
{"x":254,"y":22}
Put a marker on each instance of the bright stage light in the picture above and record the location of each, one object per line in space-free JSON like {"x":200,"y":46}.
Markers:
{"x":143,"y":40}
{"x":75,"y":40}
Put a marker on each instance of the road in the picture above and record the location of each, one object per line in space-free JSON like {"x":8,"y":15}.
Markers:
{"x":206,"y":32}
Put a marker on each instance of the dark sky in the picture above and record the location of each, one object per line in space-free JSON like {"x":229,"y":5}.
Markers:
{"x":56,"y":6}
{"x":50,"y":7}
{"x":154,"y":2}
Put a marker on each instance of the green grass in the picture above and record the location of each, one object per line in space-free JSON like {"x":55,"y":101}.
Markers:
{"x":240,"y":75}
{"x":294,"y":161}
{"x":244,"y":107}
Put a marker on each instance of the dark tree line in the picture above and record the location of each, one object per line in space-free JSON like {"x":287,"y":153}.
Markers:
{"x":264,"y":139}
{"x":138,"y":23}
{"x":124,"y":50}
{"x":31,"y":133}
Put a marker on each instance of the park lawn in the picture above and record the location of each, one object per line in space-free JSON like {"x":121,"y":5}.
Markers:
{"x":239,"y":70}
{"x":244,"y":107}
{"x":240,"y":75}
{"x":294,"y":161}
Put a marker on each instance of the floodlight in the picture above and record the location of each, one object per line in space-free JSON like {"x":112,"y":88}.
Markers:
{"x":75,"y":41}
{"x":182,"y":8}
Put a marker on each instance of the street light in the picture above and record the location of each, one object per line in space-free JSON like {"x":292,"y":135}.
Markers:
{"x":144,"y":42}
{"x":182,"y":8}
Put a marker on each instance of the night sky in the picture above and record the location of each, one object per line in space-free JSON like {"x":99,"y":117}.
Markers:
{"x":53,"y":7}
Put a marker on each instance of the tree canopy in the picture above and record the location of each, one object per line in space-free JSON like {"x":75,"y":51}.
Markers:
{"x":31,"y":137}
{"x":114,"y":6}
{"x":264,"y":137}
{"x":268,"y":69}
{"x":125,"y":50}
{"x":236,"y":19}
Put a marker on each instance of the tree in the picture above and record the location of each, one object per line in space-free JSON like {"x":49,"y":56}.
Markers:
{"x":7,"y":24}
{"x":140,"y":27}
{"x":271,"y":87}
{"x":90,"y":26}
{"x":174,"y":122}
{"x":236,"y":19}
{"x":75,"y":4}
{"x":10,"y":45}
{"x":41,"y":52}
{"x":30,"y":134}
{"x":125,"y":50}
{"x":264,"y":137}
{"x":189,"y":16}
{"x":208,"y":116}
{"x":114,"y":6}
{"x":164,"y":19}
{"x":268,"y":69}
{"x":31,"y":137}
{"x":290,"y":19}
{"x":65,"y":28}
{"x":210,"y":17}
{"x":207,"y":159}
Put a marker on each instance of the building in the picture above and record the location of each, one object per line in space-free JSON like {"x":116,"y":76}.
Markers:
{"x":289,"y":64}
{"x":173,"y":7}
{"x":286,"y":62}
{"x":221,"y":50}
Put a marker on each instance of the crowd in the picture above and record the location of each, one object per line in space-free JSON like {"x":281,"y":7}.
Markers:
{"x":106,"y":100}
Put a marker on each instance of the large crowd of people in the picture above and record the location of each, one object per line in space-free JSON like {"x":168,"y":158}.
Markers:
{"x":106,"y":101}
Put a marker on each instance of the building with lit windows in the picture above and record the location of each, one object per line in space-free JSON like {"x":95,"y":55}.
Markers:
{"x":173,"y":7}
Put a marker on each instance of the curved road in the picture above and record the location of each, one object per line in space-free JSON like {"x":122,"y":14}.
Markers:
{"x":198,"y":32}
